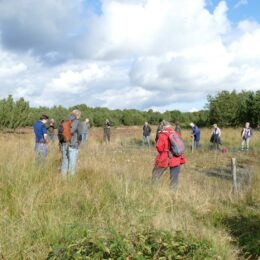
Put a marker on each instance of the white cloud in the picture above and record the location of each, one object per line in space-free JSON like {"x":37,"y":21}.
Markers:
{"x":163,"y":54}
{"x":240,"y":3}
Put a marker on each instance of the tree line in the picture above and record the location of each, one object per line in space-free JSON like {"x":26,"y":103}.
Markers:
{"x":226,"y":108}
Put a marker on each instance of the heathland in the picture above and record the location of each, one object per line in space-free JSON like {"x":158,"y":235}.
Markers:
{"x":110,"y":209}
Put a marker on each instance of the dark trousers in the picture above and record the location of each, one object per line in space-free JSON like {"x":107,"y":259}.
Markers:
{"x":174,"y":175}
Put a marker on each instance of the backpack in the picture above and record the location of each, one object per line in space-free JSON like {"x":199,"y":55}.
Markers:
{"x":64,"y":131}
{"x":177,"y":146}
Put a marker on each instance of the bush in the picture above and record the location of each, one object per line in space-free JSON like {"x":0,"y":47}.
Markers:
{"x":148,"y":244}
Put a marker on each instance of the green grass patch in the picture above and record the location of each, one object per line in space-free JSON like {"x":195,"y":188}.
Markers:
{"x":145,"y":244}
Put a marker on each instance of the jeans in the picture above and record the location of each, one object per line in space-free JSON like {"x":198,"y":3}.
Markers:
{"x":196,"y":144}
{"x":69,"y":160}
{"x":41,"y":152}
{"x":146,"y":139}
{"x":83,"y":137}
{"x":51,"y":137}
{"x":174,"y":175}
{"x":244,"y":143}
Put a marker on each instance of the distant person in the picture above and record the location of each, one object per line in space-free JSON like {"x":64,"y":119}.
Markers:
{"x":146,"y":134}
{"x":165,"y":158}
{"x":84,"y":127}
{"x":246,"y":134}
{"x":41,"y":139}
{"x":215,"y":136}
{"x":70,"y":143}
{"x":107,"y":131}
{"x":159,"y":129}
{"x":60,"y":135}
{"x":195,"y":135}
{"x":50,"y":130}
{"x":177,"y":127}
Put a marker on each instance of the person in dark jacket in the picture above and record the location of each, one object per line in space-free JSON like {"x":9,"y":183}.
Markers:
{"x":177,"y":127}
{"x":146,"y":134}
{"x":107,"y":131}
{"x":215,"y":137}
{"x":195,"y":135}
{"x":41,"y":139}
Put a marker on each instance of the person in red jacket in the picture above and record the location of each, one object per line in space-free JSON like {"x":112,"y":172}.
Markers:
{"x":165,"y":159}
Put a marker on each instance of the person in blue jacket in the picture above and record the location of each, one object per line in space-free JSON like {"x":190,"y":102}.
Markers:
{"x":41,"y":139}
{"x":196,"y":135}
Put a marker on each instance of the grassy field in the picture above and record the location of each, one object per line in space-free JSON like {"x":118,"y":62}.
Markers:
{"x":110,"y":209}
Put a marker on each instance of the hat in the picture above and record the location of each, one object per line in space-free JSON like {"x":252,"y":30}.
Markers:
{"x":192,"y":125}
{"x":43,"y":116}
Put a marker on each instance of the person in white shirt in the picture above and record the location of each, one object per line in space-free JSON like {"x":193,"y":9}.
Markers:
{"x":246,"y":134}
{"x":215,"y":136}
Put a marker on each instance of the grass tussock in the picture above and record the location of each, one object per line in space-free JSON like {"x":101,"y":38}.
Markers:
{"x":110,"y":209}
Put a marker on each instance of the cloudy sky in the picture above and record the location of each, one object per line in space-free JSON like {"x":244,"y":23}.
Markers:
{"x":159,"y":54}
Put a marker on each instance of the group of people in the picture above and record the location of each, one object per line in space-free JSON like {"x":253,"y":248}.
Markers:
{"x":215,"y":137}
{"x":72,"y":132}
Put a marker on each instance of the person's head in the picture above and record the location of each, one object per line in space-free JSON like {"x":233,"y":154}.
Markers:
{"x":177,"y":123}
{"x":215,"y":125}
{"x":166,"y":124}
{"x":107,"y":121}
{"x":247,"y":124}
{"x":44,"y":118}
{"x":76,"y":113}
{"x":146,"y":123}
{"x":87,"y":120}
{"x":192,"y":125}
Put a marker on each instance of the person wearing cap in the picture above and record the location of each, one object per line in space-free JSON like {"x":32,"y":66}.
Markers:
{"x":196,"y":135}
{"x":146,"y":134}
{"x":41,"y":138}
{"x":70,"y":149}
{"x":215,"y":136}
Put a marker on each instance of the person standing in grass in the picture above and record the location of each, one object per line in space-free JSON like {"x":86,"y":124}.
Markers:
{"x":195,"y":135}
{"x":107,"y":131}
{"x":165,"y":159}
{"x":215,"y":136}
{"x":146,"y":134}
{"x":84,"y":130}
{"x":41,"y":138}
{"x":177,"y":127}
{"x":246,"y":134}
{"x":70,"y":145}
{"x":50,"y":130}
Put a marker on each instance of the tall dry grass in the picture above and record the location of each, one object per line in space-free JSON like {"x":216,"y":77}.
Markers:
{"x":112,"y":188}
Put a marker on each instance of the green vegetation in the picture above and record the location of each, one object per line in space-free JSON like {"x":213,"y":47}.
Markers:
{"x":226,"y":109}
{"x":148,"y":244}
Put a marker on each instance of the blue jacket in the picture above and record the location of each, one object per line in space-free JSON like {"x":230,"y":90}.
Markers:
{"x":196,"y":133}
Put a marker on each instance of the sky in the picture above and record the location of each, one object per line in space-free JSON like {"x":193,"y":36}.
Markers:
{"x":142,"y":54}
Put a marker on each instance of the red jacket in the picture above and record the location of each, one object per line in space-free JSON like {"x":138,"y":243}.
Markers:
{"x":162,"y":146}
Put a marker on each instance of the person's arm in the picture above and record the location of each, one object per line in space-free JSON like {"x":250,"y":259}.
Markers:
{"x":74,"y":126}
{"x":45,"y":135}
{"x":160,"y":145}
{"x":219,"y":132}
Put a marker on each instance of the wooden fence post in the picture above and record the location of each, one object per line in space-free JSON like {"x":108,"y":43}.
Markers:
{"x":192,"y":144}
{"x":234,"y":174}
